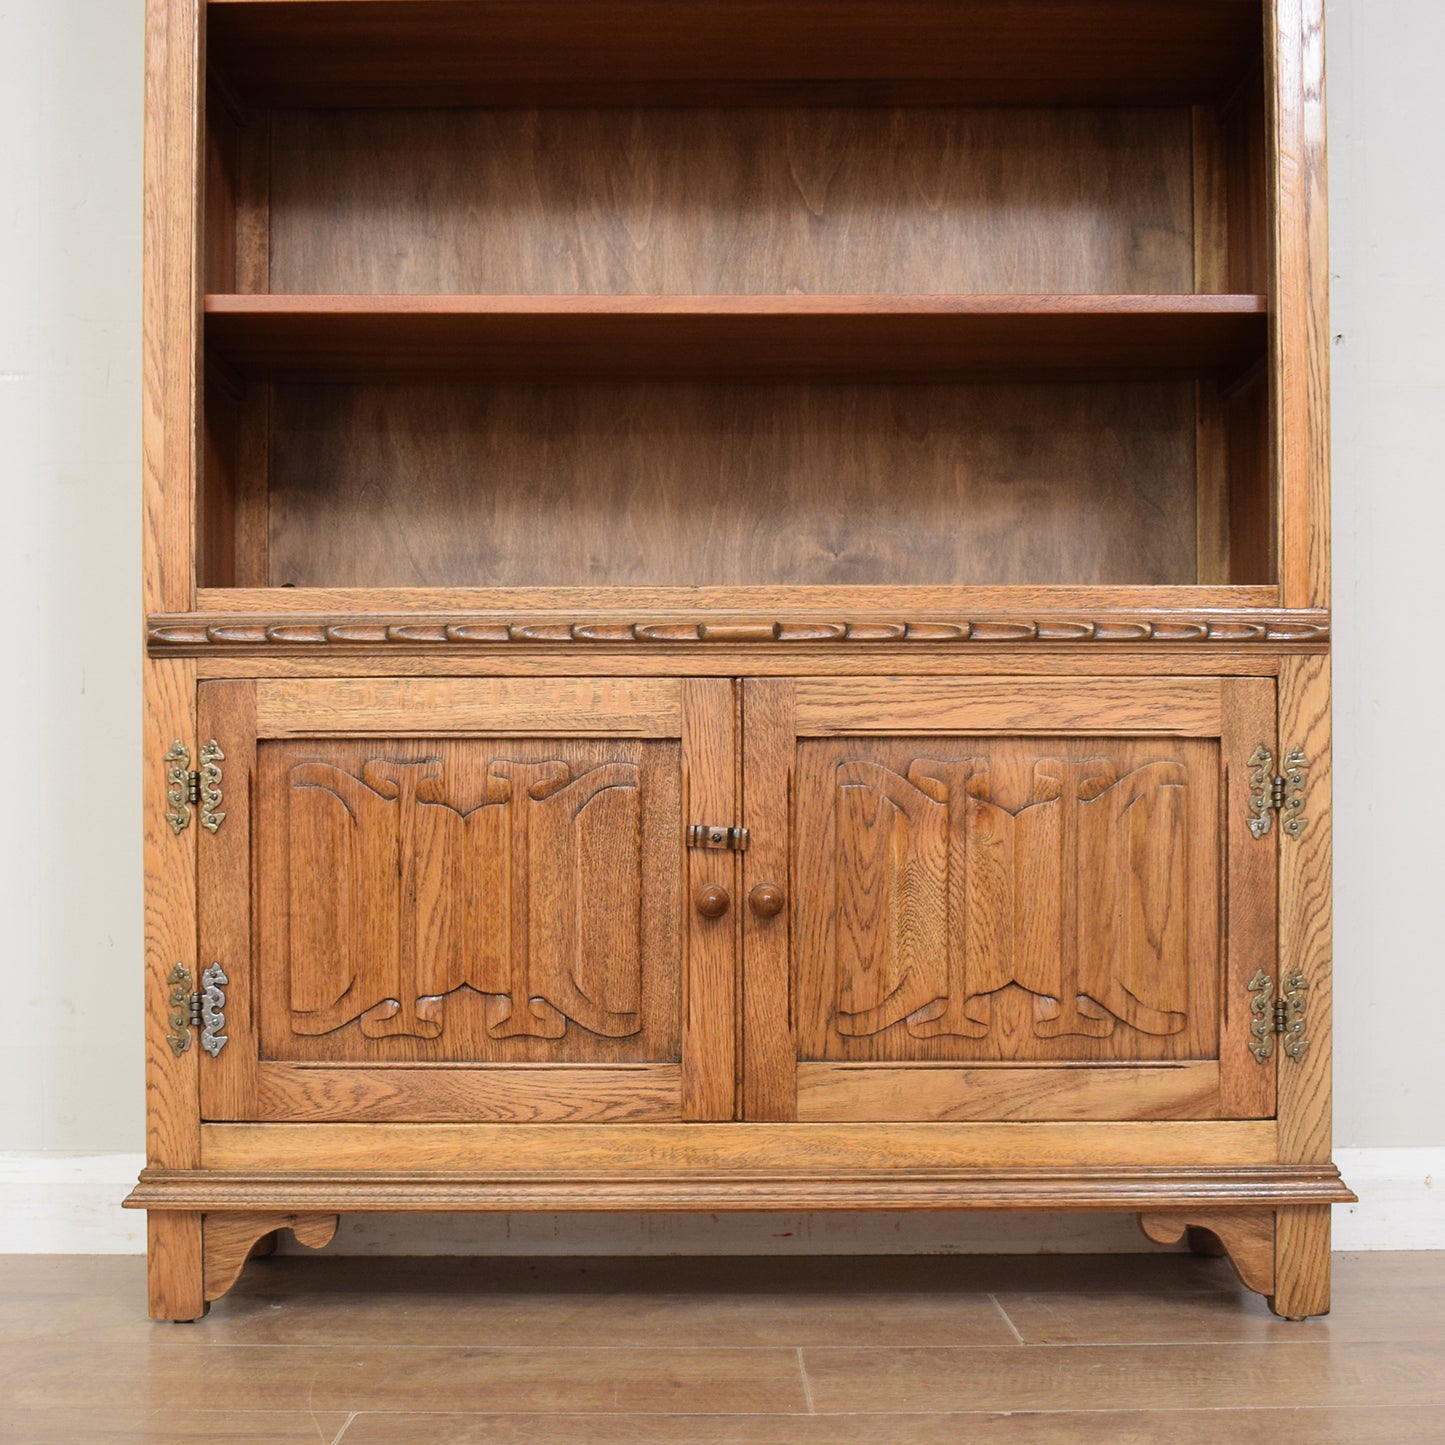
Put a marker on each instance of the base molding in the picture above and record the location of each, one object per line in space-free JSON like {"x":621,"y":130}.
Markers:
{"x":1133,"y":1189}
{"x":69,"y":1203}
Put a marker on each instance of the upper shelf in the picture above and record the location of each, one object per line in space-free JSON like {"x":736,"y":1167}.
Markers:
{"x":336,"y":337}
{"x":690,"y":52}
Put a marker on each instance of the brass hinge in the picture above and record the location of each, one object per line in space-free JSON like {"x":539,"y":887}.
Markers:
{"x":1282,"y":1017}
{"x":187,"y":790}
{"x":716,"y":835}
{"x":1271,"y":792}
{"x":205,"y":1011}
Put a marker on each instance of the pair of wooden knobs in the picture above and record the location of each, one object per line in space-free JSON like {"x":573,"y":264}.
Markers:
{"x":767,"y":900}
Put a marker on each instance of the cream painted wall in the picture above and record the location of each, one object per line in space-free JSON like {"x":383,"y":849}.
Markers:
{"x":70,"y":212}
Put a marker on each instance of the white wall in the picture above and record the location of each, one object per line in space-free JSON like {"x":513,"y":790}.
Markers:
{"x":70,"y":213}
{"x":70,"y":222}
{"x":1387,"y":175}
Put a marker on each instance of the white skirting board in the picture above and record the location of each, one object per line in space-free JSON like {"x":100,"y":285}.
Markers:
{"x":70,"y":1204}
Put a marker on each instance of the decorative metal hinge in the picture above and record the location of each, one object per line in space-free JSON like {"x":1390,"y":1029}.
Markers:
{"x":186,"y":790}
{"x":1271,"y":792}
{"x":713,"y":835}
{"x":204,"y":1010}
{"x":1282,"y":1017}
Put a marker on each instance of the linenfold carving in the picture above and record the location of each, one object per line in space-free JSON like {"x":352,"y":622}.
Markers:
{"x":531,"y":897}
{"x":944,"y":899}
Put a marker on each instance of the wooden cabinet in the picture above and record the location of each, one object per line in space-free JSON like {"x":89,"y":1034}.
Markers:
{"x":737,"y":616}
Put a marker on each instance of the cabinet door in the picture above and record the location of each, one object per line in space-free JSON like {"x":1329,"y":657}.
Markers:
{"x":462,"y":899}
{"x":1008,"y":898}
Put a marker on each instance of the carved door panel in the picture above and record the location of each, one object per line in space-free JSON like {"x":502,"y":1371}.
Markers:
{"x":1010,"y":899}
{"x":462,"y":899}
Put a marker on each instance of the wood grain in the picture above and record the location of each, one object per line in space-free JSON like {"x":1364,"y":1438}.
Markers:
{"x":339,"y":338}
{"x":1250,"y":901}
{"x":1306,"y":916}
{"x":732,"y":484}
{"x":468,"y":899}
{"x":174,"y":1265}
{"x":1247,"y":1236}
{"x":226,"y":711}
{"x":827,"y":708}
{"x":869,"y":1093}
{"x":1023,"y":899}
{"x":469,"y":1093}
{"x":1302,"y":1262}
{"x":172,"y":1112}
{"x":171,"y":304}
{"x":562,"y":708}
{"x":1301,"y":291}
{"x":230,"y":1239}
{"x":711,"y":975}
{"x":768,"y":757}
{"x":1081,"y":602}
{"x":738,"y":1150}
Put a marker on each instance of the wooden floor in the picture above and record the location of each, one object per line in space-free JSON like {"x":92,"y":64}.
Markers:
{"x":902,"y":1351}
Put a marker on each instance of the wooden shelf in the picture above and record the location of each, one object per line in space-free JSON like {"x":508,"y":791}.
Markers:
{"x":691,"y":52}
{"x":340,"y":337}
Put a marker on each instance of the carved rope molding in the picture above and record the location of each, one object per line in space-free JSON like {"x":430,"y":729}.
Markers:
{"x":192,"y":635}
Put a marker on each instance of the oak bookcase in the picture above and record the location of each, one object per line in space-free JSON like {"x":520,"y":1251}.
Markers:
{"x":737,"y":616}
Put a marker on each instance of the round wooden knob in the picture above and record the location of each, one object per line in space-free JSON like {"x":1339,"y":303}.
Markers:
{"x":767,"y":900}
{"x":711,"y":900}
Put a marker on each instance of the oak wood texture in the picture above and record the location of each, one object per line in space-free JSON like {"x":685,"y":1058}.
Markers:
{"x":175,"y":1267}
{"x":710,"y":979}
{"x":230,"y":1239}
{"x":1246,"y":1236}
{"x":171,"y":303}
{"x":172,"y":1080}
{"x":1306,"y":916}
{"x":1116,"y":1188}
{"x":844,"y":707}
{"x":1025,"y":900}
{"x":768,"y":749}
{"x":438,"y":52}
{"x":868,"y":1093}
{"x":469,"y":1093}
{"x":338,"y":338}
{"x":1301,"y":289}
{"x":570,"y":707}
{"x":225,"y":913}
{"x":669,"y":1150}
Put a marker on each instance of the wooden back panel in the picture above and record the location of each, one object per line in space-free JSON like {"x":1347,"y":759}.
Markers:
{"x":752,"y":200}
{"x":733,"y":484}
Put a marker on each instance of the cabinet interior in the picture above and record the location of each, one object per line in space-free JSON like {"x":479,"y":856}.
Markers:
{"x":573,"y":332}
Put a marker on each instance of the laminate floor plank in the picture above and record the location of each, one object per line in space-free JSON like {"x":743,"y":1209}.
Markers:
{"x":170,"y":1426}
{"x":898,"y":1351}
{"x":1123,"y":1377}
{"x":634,"y":1304}
{"x":628,"y":1381}
{"x":1086,"y":1318}
{"x":1182,"y":1427}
